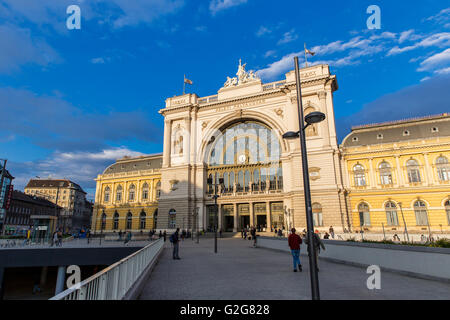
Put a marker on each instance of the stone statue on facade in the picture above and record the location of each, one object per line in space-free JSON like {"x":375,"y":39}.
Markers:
{"x":242,"y":76}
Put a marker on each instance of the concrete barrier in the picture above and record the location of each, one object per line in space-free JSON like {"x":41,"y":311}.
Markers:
{"x":423,"y":262}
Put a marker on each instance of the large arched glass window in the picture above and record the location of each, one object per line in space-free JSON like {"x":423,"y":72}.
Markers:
{"x":317,"y":214}
{"x":231,"y":181}
{"x":391,"y":214}
{"x":385,"y":173}
{"x":359,"y":174}
{"x":132,"y":193}
{"x":119,"y":194}
{"x":263,"y":178}
{"x":142,"y":219}
{"x":116,"y":221}
{"x":447,"y":210}
{"x":256,"y":180}
{"x":226,"y":182}
{"x":443,"y":168}
{"x":420,"y":209}
{"x":279,"y":178}
{"x":272,"y":178}
{"x":364,"y":214}
{"x":129,"y":220}
{"x":412,"y":168}
{"x":240,"y":182}
{"x":145,"y":191}
{"x":107,"y":194}
{"x":247,"y":180}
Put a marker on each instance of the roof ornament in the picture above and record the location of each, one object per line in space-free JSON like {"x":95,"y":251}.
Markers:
{"x":242,"y":76}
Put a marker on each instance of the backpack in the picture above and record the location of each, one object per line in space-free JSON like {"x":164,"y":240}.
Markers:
{"x":171,"y":239}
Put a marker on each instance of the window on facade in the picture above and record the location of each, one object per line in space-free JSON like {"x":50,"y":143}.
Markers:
{"x":412,"y":168}
{"x":142,"y":218}
{"x":172,"y":219}
{"x":107,"y":193}
{"x":247,"y":181}
{"x":145,"y":191}
{"x":447,"y":210}
{"x":443,"y":168}
{"x":256,"y":180}
{"x":116,"y":221}
{"x":364,"y":214}
{"x":240,"y":182}
{"x":272,"y":179}
{"x":119,"y":194}
{"x":158,"y":189}
{"x":420,"y":209}
{"x":129,"y":220}
{"x":385,"y":173}
{"x":391,"y":214}
{"x":360,"y":176}
{"x":132,"y":193}
{"x":317,"y":214}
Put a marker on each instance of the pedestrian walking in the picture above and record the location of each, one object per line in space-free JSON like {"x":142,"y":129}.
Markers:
{"x":164,"y":235}
{"x":60,"y":237}
{"x":54,"y":239}
{"x":174,"y":239}
{"x":317,"y":244}
{"x":294,"y":242}
{"x":253,"y":233}
{"x":280,"y":232}
{"x":160,"y":234}
{"x":128,"y":238}
{"x":331,"y":230}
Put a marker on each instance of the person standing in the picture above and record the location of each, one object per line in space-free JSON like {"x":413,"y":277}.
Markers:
{"x":253,"y":233}
{"x":175,"y":241}
{"x":164,"y":235}
{"x":294,"y":242}
{"x":331,"y":230}
{"x":317,"y":244}
{"x":160,"y":234}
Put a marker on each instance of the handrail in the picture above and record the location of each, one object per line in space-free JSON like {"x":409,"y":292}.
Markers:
{"x":115,"y":281}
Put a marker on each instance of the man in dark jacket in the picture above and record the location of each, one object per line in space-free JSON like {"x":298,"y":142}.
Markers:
{"x":317,"y":243}
{"x":253,"y":233}
{"x":294,"y":242}
{"x":174,"y":238}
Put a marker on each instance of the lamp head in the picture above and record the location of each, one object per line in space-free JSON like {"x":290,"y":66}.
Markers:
{"x":314,"y":117}
{"x":291,"y":135}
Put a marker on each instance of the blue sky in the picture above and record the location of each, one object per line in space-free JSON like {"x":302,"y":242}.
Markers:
{"x":72,"y":101}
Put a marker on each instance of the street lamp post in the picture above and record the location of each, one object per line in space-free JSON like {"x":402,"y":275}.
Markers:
{"x":311,"y":118}
{"x":216,"y":208}
{"x":404,"y":222}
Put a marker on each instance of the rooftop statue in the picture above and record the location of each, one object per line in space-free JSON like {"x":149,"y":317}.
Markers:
{"x":242,"y":76}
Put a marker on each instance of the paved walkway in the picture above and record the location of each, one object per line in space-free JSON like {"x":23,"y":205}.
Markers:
{"x":240,"y":272}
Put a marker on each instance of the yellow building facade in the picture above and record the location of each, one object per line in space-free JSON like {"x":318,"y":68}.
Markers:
{"x":127,"y":195}
{"x":398,"y":173}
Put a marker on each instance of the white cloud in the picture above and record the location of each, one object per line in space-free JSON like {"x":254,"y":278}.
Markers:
{"x":405,"y":35}
{"x":443,"y":71}
{"x":98,"y":60}
{"x":442,"y":17}
{"x":262,"y":31}
{"x":288,"y":37}
{"x":218,"y":5}
{"x":438,"y":39}
{"x":438,"y":60}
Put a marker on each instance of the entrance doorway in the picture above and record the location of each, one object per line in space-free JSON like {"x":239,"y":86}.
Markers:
{"x":261,"y":222}
{"x":229,"y":223}
{"x":245,"y":221}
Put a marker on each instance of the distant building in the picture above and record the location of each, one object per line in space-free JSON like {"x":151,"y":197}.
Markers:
{"x":399,"y":170}
{"x":127,"y":195}
{"x":5,"y":181}
{"x":28,"y":212}
{"x":68,"y":195}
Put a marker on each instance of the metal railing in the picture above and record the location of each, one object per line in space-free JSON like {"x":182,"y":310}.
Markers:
{"x":114,"y":282}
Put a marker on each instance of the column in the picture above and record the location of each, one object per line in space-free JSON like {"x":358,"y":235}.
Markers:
{"x":252,"y":218}
{"x":187,"y":139}
{"x":60,"y":280}
{"x":220,"y":217}
{"x":269,"y":218}
{"x":427,"y":172}
{"x":399,"y":172}
{"x":167,"y":142}
{"x":235,"y":216}
{"x":326,"y":125}
{"x":193,"y":133}
{"x":373,"y":181}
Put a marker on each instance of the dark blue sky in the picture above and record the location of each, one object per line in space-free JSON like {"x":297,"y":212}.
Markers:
{"x":74,"y":101}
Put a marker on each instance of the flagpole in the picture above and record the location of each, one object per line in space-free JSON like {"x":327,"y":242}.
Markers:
{"x":184,"y":84}
{"x":306,"y":59}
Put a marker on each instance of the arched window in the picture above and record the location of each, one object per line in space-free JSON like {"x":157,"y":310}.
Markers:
{"x":420,"y":209}
{"x":116,"y":221}
{"x":132,"y":193}
{"x":447,"y":210}
{"x":359,"y":174}
{"x":391,"y":214}
{"x":443,"y":168}
{"x":172,"y":219}
{"x":385,"y":173}
{"x":317,"y":214}
{"x":142,"y":218}
{"x":107,"y":194}
{"x":364,"y":214}
{"x":119,"y":194}
{"x":412,"y":167}
{"x":158,"y":189}
{"x":129,"y":220}
{"x":145,"y":192}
